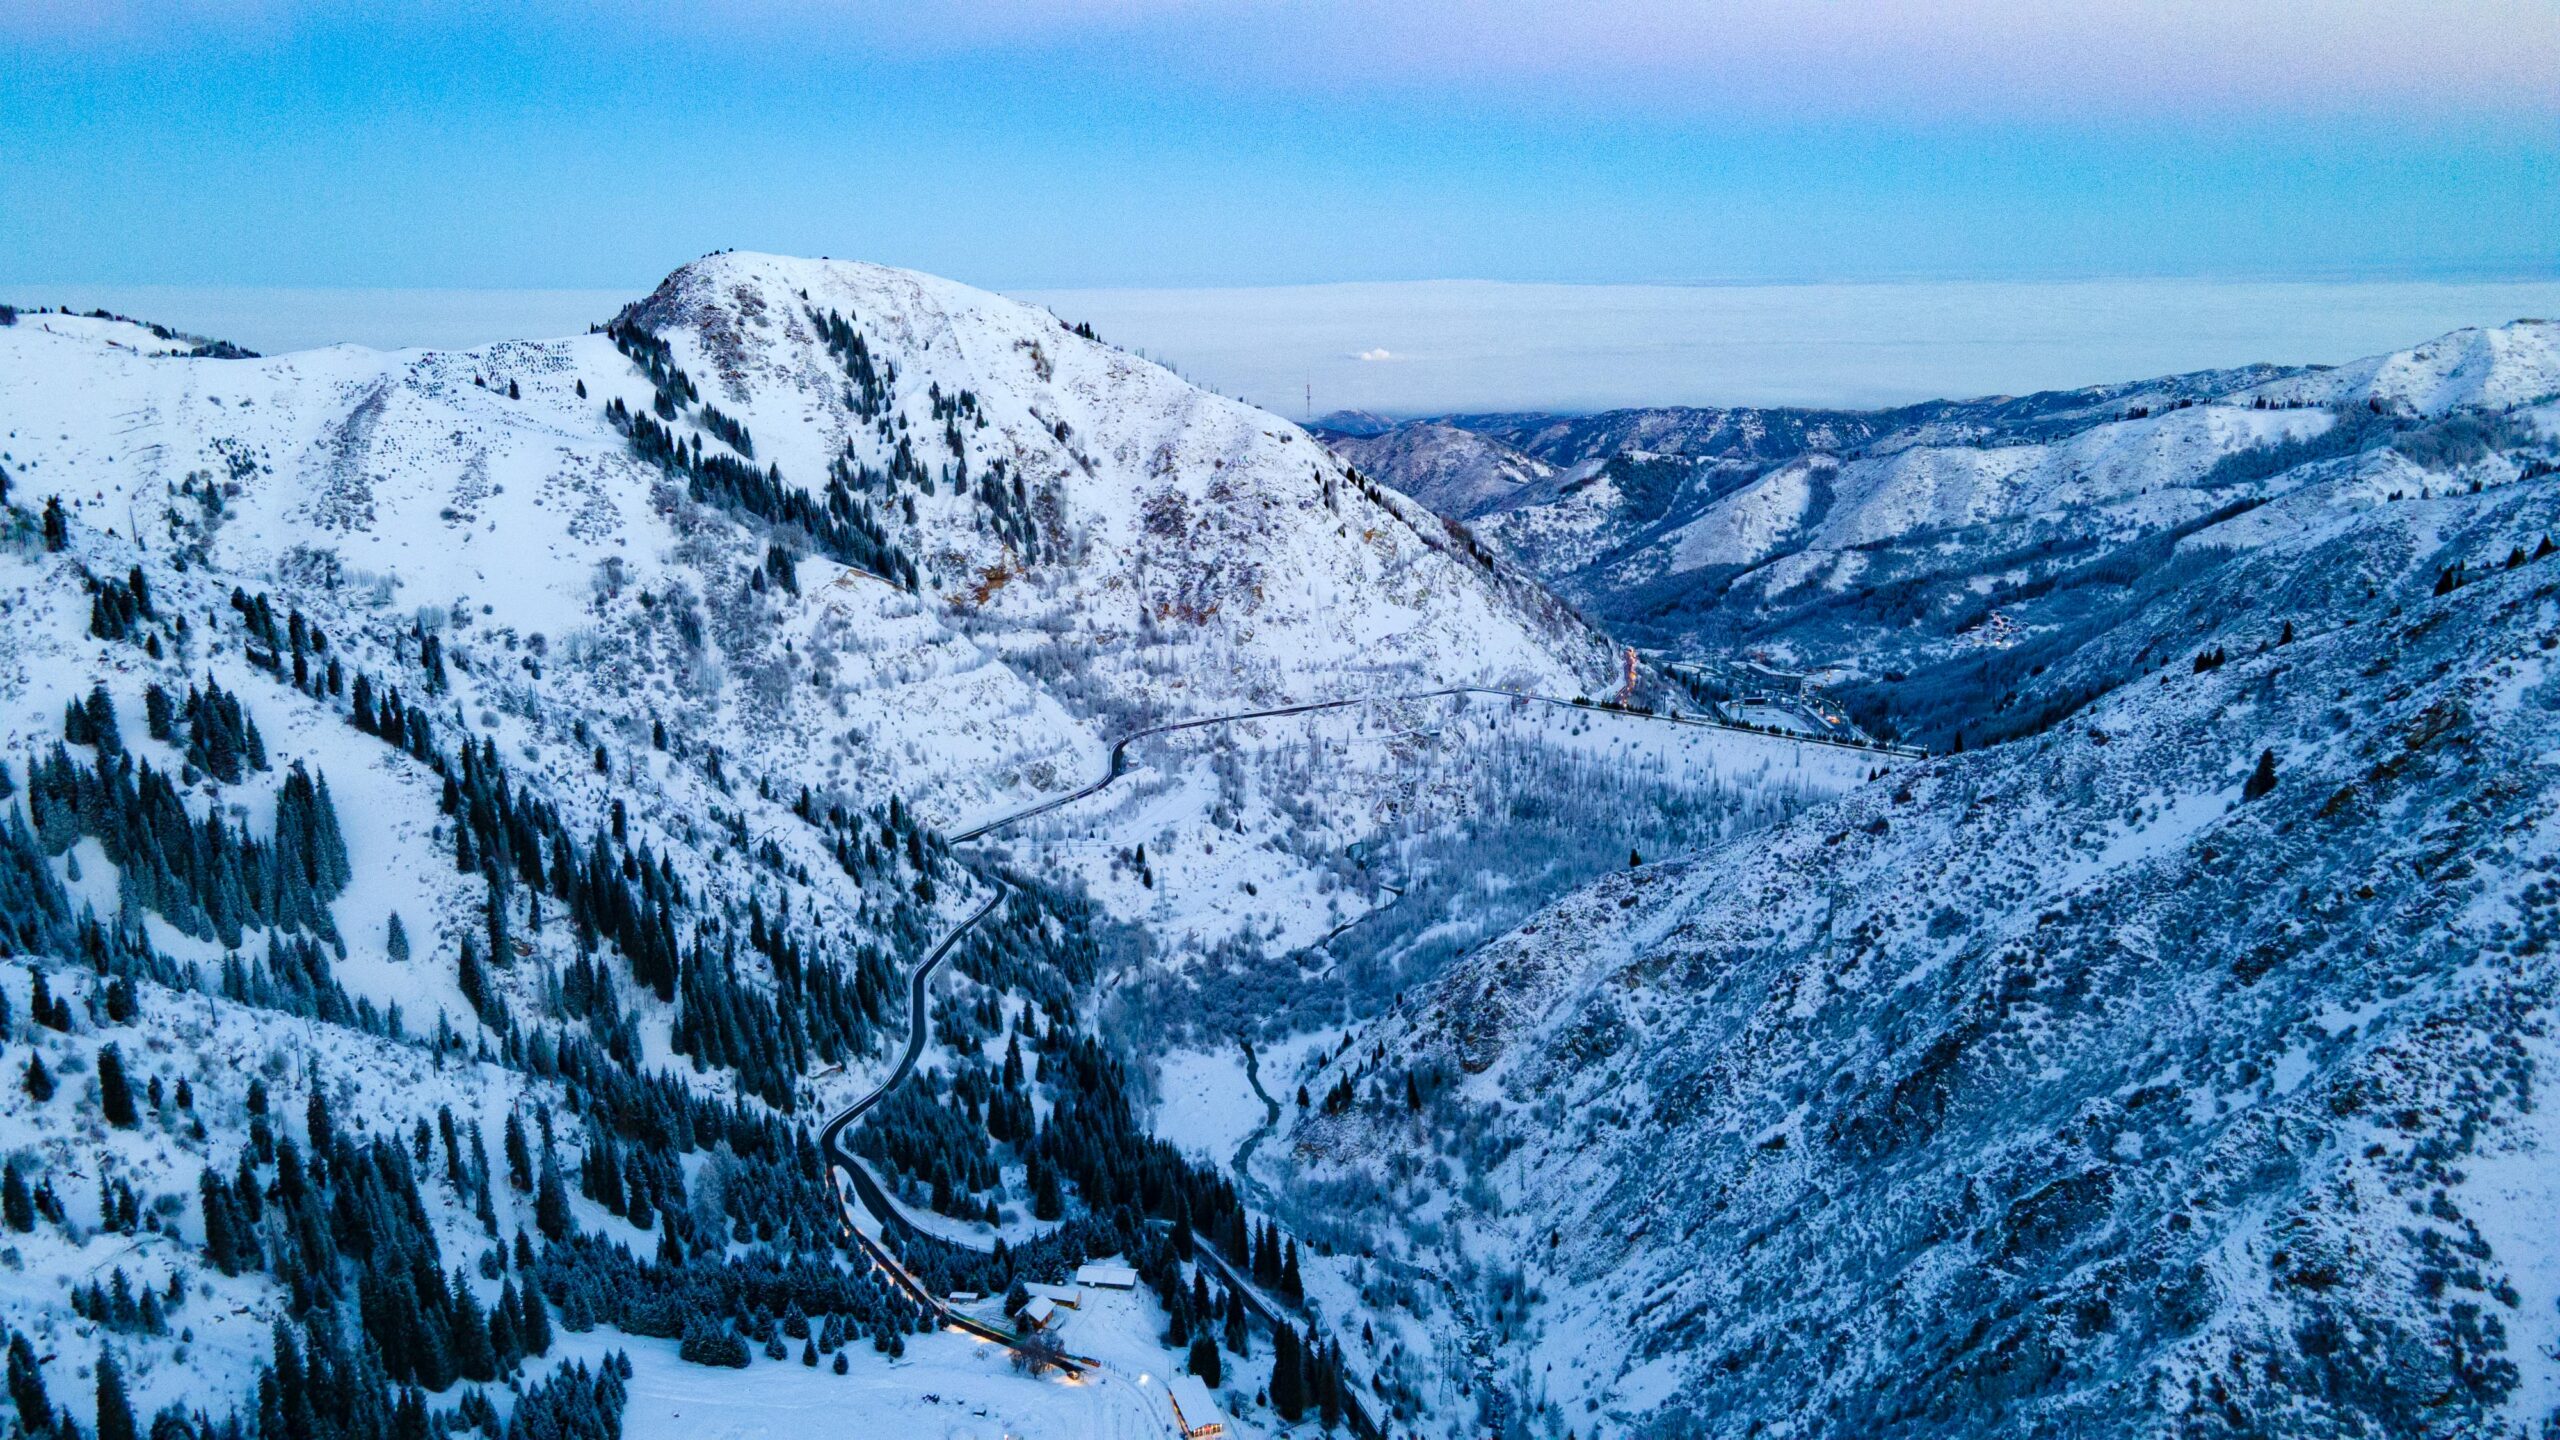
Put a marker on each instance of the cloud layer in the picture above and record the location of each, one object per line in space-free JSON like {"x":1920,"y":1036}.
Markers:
{"x":1470,"y":346}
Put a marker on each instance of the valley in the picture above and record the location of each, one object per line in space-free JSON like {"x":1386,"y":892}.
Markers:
{"x":775,"y":835}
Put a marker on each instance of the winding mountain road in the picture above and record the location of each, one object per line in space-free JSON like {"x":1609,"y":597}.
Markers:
{"x":919,"y":1023}
{"x":1118,"y":762}
{"x":919,"y":1029}
{"x":854,"y":1182}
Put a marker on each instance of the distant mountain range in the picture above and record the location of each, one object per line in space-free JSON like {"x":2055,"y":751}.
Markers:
{"x":1885,"y":542}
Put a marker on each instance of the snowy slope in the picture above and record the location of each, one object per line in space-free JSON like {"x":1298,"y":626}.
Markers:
{"x":1455,"y":472}
{"x":1924,"y":542}
{"x":1717,"y":544}
{"x":1189,"y":522}
{"x":2497,"y":369}
{"x":1929,"y":489}
{"x":2055,"y":1084}
{"x":2059,"y":1088}
{"x":690,"y":621}
{"x":1164,"y":552}
{"x":1195,"y":551}
{"x":218,"y":1048}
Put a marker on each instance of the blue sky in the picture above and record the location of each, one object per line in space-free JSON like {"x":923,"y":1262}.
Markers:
{"x":1040,"y":144}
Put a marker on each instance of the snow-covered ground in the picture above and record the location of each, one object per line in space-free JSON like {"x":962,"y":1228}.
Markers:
{"x":1281,"y":830}
{"x":1205,"y":1103}
{"x":222,"y":1329}
{"x":948,"y":1386}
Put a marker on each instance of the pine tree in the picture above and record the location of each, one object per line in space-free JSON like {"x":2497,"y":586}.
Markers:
{"x":536,"y":1329}
{"x":115,"y":1097}
{"x":26,"y":1386}
{"x":105,"y":731}
{"x":396,"y":942}
{"x":1204,"y":1360}
{"x":221,"y":1223}
{"x":315,"y":1117}
{"x":115,"y":1410}
{"x":551,"y":1199}
{"x":505,"y":1344}
{"x":519,"y":1155}
{"x":57,"y":526}
{"x":1328,"y":1388}
{"x":17,"y":1206}
{"x":1288,"y":1380}
{"x":475,"y":987}
{"x":2262,"y":779}
{"x":472,"y":1355}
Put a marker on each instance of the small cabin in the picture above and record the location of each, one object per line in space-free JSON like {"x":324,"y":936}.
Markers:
{"x":1195,"y":1411}
{"x":1107,"y":1277}
{"x":1068,"y":1296}
{"x":1040,"y":1314}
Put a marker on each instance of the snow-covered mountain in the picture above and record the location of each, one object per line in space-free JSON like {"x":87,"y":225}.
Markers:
{"x":2181,"y":1068}
{"x":1454,"y":471}
{"x":1912,"y":542}
{"x":1055,"y":503}
{"x":466,"y":815}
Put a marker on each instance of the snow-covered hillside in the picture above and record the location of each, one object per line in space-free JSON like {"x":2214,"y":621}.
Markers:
{"x":1921,"y":542}
{"x":2493,"y":369}
{"x":2178,"y":1070}
{"x":1130,"y":544}
{"x":1454,"y":471}
{"x":1076,"y":542}
{"x":562,"y":735}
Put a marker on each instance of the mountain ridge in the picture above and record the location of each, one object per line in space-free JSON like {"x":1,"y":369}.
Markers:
{"x":1879,"y":542}
{"x":2079,"y":1085}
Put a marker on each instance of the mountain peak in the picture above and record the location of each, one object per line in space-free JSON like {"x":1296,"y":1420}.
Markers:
{"x":2491,"y":367}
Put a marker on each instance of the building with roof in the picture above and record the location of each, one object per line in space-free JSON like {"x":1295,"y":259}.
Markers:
{"x":1195,"y":1411}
